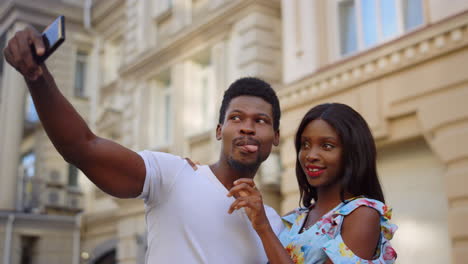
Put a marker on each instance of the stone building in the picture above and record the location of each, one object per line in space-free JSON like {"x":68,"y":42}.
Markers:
{"x":150,"y":74}
{"x":40,"y":199}
{"x":399,"y":64}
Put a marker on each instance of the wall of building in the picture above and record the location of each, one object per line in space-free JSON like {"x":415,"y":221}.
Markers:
{"x":50,"y":224}
{"x":411,"y":89}
{"x":413,"y":183}
{"x":410,"y":92}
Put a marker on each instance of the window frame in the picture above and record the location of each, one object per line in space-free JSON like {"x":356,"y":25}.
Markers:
{"x":3,"y":43}
{"x":73,"y":174}
{"x":83,"y":57}
{"x":201,"y":70}
{"x":161,"y":121}
{"x":381,"y":39}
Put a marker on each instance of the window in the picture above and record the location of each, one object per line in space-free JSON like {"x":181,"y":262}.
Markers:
{"x":413,"y":13}
{"x":111,"y":60}
{"x":30,"y":196}
{"x":270,"y":172}
{"x":2,"y":46}
{"x":30,"y":111}
{"x":80,"y":73}
{"x":167,"y":111}
{"x":28,"y":162}
{"x":72,"y":176}
{"x":200,"y":95}
{"x":160,"y":133}
{"x":161,"y":7}
{"x":365,"y":23}
{"x":28,"y":249}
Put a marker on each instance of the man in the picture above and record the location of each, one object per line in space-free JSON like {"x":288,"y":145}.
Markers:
{"x":186,"y":208}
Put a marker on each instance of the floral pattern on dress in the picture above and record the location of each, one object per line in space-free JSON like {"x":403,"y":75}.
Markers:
{"x":323,"y":239}
{"x":296,"y":253}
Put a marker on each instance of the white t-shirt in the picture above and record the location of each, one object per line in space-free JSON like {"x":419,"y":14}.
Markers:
{"x":187,"y":216}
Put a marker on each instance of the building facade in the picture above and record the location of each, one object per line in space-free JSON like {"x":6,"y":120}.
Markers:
{"x":397,"y":63}
{"x":40,"y":200}
{"x":150,"y":74}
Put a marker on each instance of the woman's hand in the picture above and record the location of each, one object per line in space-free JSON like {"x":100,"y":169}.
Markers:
{"x":249,"y":197}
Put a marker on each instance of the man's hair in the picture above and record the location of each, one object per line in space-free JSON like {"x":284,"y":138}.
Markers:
{"x":358,"y":172}
{"x":251,"y":86}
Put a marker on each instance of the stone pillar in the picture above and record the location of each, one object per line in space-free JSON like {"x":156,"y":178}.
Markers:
{"x":255,"y":47}
{"x":130,"y":227}
{"x":94,"y":80}
{"x":179,"y":82}
{"x":219,"y":60}
{"x":11,"y":119}
{"x":182,"y":12}
{"x":302,"y":38}
{"x":446,"y":129}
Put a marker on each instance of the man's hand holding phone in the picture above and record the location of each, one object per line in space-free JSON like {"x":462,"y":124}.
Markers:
{"x":19,"y":53}
{"x":28,"y":49}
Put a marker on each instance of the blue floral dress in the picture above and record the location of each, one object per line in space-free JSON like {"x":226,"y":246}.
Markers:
{"x":323,"y":240}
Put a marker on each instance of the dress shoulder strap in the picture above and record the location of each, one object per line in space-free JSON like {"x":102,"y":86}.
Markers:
{"x":350,"y":205}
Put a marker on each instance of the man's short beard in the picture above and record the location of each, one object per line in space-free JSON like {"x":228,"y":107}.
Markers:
{"x":245,"y":167}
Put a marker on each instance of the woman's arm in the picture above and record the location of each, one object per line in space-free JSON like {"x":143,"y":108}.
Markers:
{"x":361,"y":232}
{"x":248,"y":197}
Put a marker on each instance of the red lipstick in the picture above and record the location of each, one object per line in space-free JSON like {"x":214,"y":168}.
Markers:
{"x":314,"y":171}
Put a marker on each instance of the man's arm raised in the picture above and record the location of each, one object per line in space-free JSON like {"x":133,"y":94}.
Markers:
{"x":115,"y":169}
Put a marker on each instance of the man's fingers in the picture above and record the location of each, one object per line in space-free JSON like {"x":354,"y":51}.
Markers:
{"x":16,"y":60}
{"x":36,"y":40}
{"x":243,"y":187}
{"x":237,"y":204}
{"x":245,"y":180}
{"x":7,"y":55}
{"x":27,"y":57}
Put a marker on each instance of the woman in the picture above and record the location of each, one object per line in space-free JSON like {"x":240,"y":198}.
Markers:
{"x":343,"y":218}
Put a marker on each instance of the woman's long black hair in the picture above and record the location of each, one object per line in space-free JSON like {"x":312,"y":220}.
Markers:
{"x":359,"y":172}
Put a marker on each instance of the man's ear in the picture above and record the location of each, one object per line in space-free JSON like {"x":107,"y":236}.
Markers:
{"x":277,"y":138}
{"x":218,"y":131}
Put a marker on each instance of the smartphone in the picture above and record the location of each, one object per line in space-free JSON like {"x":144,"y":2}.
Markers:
{"x":53,"y":36}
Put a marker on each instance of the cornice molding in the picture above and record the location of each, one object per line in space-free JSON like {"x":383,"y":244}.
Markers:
{"x":103,"y":9}
{"x":111,"y":23}
{"x":211,"y":27}
{"x":101,"y":217}
{"x":424,"y":44}
{"x":109,"y":120}
{"x":32,"y":13}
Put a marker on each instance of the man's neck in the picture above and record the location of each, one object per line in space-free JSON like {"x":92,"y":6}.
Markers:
{"x":227,"y":174}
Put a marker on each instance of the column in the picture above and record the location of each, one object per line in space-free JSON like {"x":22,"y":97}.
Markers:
{"x":11,"y":119}
{"x":220,"y":65}
{"x":255,"y":47}
{"x":130,"y":227}
{"x":301,"y":40}
{"x":179,"y":82}
{"x":446,"y":130}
